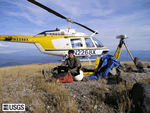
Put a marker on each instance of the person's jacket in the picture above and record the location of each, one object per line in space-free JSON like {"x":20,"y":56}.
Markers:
{"x":73,"y":64}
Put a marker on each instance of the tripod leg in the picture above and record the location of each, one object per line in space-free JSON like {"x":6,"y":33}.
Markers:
{"x":128,"y":52}
{"x":136,"y":61}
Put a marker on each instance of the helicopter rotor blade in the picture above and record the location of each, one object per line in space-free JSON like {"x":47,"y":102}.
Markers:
{"x":85,"y":27}
{"x":47,"y":8}
{"x":59,"y":15}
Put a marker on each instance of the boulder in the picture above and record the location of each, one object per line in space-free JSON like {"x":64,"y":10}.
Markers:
{"x":120,"y":77}
{"x":136,"y":60}
{"x":139,"y":65}
{"x":140,"y":94}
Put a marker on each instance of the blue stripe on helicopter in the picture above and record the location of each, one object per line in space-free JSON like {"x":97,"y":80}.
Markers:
{"x":73,"y":49}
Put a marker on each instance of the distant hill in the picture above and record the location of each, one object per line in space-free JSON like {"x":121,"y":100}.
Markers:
{"x":26,"y":57}
{"x":30,"y":57}
{"x":141,"y":54}
{"x":10,"y":64}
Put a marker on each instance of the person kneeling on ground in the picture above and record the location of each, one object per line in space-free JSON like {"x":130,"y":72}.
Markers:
{"x":74,"y":66}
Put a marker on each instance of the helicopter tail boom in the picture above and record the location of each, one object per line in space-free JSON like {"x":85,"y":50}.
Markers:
{"x":17,"y":38}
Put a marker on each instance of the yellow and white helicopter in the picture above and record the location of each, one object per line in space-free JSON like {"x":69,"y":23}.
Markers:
{"x":58,"y":42}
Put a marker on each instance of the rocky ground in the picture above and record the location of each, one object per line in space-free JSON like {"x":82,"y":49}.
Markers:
{"x":84,"y":92}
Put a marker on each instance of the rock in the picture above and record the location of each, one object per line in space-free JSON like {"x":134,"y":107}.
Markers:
{"x":140,"y":94}
{"x":124,"y":76}
{"x":123,"y":68}
{"x":139,"y":65}
{"x":141,"y":71}
{"x":147,"y":69}
{"x":128,"y":68}
{"x":120,"y":76}
{"x":85,"y":79}
{"x":113,"y":71}
{"x":148,"y":66}
{"x":127,"y":65}
{"x":136,"y":60}
{"x":135,"y":70}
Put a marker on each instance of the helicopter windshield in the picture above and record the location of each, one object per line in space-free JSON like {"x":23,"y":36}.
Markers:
{"x":97,"y":42}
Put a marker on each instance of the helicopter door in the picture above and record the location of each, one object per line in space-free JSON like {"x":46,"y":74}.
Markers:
{"x":76,"y":43}
{"x":89,"y":43}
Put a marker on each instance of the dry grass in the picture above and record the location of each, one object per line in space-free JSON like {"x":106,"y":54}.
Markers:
{"x":26,"y":84}
{"x":115,"y":99}
{"x":147,"y":80}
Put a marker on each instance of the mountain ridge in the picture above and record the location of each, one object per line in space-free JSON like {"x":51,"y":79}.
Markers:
{"x":26,"y":57}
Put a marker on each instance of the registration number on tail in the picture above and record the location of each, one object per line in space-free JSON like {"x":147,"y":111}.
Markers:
{"x":84,"y":52}
{"x":20,"y":39}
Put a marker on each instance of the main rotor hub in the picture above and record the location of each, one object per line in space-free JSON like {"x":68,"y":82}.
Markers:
{"x":69,"y":20}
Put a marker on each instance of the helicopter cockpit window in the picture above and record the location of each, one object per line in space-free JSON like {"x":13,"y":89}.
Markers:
{"x":76,"y":43}
{"x":88,"y":42}
{"x":97,"y":42}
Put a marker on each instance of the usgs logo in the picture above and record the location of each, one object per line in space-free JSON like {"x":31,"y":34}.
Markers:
{"x":13,"y":107}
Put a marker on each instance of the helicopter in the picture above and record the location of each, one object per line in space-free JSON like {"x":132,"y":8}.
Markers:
{"x":57,"y":42}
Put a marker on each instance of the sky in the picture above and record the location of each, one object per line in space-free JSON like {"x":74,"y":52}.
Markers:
{"x":109,"y":17}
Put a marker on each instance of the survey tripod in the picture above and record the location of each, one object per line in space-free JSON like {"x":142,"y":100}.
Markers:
{"x":136,"y":60}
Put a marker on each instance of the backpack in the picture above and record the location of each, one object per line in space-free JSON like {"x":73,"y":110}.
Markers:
{"x":63,"y":77}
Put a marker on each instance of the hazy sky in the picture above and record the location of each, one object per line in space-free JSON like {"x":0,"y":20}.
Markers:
{"x":108,"y":17}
